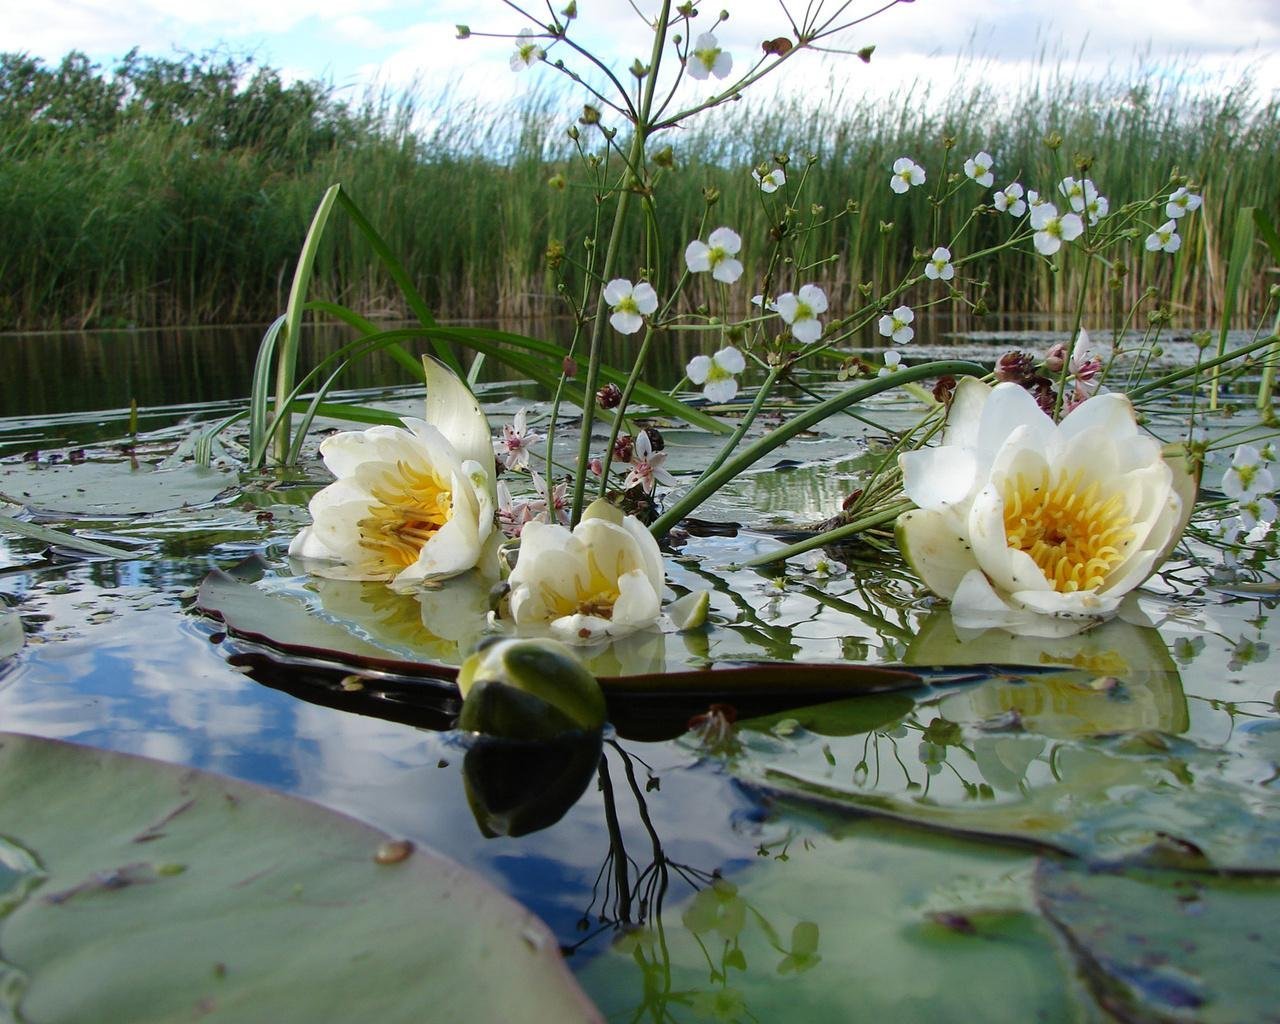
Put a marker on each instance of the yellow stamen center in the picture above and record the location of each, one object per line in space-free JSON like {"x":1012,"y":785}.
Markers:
{"x":596,"y":594}
{"x":410,"y":504}
{"x":1076,"y":536}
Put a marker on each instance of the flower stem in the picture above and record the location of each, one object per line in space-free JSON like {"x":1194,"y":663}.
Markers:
{"x":709,"y":483}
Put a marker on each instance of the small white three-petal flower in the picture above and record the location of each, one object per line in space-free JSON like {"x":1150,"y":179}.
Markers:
{"x":1182,"y":201}
{"x":1051,"y":229}
{"x":1165,"y":238}
{"x":527,"y":52}
{"x":631,"y":303}
{"x":716,"y":254}
{"x":897,"y":325}
{"x":979,"y":169}
{"x":716,"y":373}
{"x":770,"y":182}
{"x":906,"y":172}
{"x":706,"y":58}
{"x":1009,"y":200}
{"x":938,"y":267}
{"x":801,"y":312}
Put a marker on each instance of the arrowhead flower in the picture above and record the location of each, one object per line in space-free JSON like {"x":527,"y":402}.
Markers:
{"x":938,"y":267}
{"x":1165,"y":238}
{"x":527,"y":53}
{"x":906,"y":172}
{"x":717,"y":373}
{"x":631,"y":303}
{"x":708,"y":59}
{"x":1183,"y":201}
{"x":1052,"y":230}
{"x":1009,"y":200}
{"x":897,"y":325}
{"x":801,"y":312}
{"x":770,"y":182}
{"x":1035,"y":527}
{"x":979,"y":169}
{"x":716,"y":254}
{"x":410,"y":504}
{"x":602,"y":579}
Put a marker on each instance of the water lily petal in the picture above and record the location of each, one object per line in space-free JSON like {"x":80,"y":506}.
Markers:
{"x":1007,"y":568}
{"x":935,"y":477}
{"x":935,"y":546}
{"x":967,"y":402}
{"x":453,"y":411}
{"x":638,"y":603}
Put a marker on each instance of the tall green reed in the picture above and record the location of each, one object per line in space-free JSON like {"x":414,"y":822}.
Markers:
{"x":192,"y":211}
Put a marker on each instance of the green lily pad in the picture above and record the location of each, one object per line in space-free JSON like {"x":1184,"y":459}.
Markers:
{"x":1160,"y":946}
{"x":140,"y":892}
{"x":109,"y":488}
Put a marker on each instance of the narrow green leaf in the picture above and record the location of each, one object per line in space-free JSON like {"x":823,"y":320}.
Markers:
{"x":63,"y":539}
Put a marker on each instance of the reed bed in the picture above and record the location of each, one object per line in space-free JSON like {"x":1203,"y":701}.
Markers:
{"x":178,"y":192}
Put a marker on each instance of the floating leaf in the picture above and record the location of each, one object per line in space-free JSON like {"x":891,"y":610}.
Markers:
{"x":368,"y":626}
{"x":1157,"y":946}
{"x":109,"y":488}
{"x":861,"y":947}
{"x":168,"y":894}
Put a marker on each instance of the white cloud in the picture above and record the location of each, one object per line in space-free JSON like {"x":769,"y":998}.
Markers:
{"x":918,"y":43}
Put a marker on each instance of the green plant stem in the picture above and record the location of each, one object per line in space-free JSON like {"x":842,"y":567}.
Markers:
{"x":709,"y":483}
{"x":1191,"y":371}
{"x":635,"y":159}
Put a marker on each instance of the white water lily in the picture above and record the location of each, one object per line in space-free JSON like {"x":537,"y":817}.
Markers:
{"x":603,"y":579}
{"x":1034,"y":527}
{"x":410,"y":504}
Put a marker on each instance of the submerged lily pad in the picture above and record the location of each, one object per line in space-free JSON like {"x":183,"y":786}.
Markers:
{"x":110,"y":488}
{"x":12,"y":637}
{"x":854,"y":926}
{"x":428,"y":634}
{"x":1088,"y":759}
{"x":151,"y":892}
{"x":1160,"y":946}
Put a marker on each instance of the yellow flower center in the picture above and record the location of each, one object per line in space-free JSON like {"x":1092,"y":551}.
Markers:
{"x":1076,"y":536}
{"x":410,"y":504}
{"x":594,"y":595}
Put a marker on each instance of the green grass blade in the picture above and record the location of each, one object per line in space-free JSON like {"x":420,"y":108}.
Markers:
{"x":60,"y":537}
{"x":743,"y":459}
{"x":286,"y":364}
{"x":646,"y":393}
{"x":1237,"y":271}
{"x":260,"y":395}
{"x":401,"y":278}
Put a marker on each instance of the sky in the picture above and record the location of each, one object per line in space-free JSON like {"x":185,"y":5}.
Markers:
{"x":356,"y":44}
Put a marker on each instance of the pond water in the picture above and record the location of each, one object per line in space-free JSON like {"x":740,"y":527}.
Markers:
{"x":1069,"y":831}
